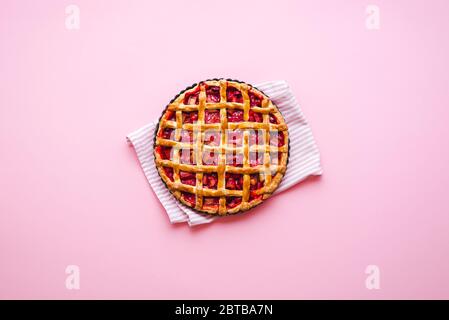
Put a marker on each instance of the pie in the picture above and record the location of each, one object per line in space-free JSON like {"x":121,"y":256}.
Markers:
{"x":221,"y":147}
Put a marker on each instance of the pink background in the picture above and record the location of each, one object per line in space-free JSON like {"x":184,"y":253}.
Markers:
{"x":71,"y":190}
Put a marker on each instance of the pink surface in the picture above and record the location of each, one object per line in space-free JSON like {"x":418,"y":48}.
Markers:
{"x":72,"y":192}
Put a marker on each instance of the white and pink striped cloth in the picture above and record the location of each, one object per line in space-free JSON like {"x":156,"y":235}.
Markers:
{"x":304,"y":155}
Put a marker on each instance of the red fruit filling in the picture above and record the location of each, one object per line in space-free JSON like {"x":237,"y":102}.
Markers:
{"x":167,"y":133}
{"x":232,"y":202}
{"x":213,"y":94}
{"x":233,"y":95}
{"x":210,"y":158}
{"x":255,"y":138}
{"x":212,"y":116}
{"x":186,"y":136}
{"x":212,"y":138}
{"x":210,"y":201}
{"x":273,"y":119}
{"x":192,"y":97}
{"x":189,"y":197}
{"x":170,"y":115}
{"x":255,"y":99}
{"x":164,"y":152}
{"x":255,"y":116}
{"x":275,"y":157}
{"x":255,"y":182}
{"x":187,"y":177}
{"x":255,"y":158}
{"x":277,"y":139}
{"x":169,"y":172}
{"x":234,"y":115}
{"x":210,"y":180}
{"x":235,"y":160}
{"x":234,"y":181}
{"x":187,"y":156}
{"x":254,"y":196}
{"x":235,"y":138}
{"x":189,"y":117}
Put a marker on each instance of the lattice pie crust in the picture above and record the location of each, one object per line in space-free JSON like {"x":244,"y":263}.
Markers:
{"x":221,"y":147}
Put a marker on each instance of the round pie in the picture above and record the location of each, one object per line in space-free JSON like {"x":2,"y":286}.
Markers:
{"x":221,"y":147}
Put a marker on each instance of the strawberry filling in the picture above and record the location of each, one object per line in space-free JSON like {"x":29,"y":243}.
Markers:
{"x":210,"y":158}
{"x":255,"y":99}
{"x":189,"y":197}
{"x":235,"y":138}
{"x":187,"y":178}
{"x":234,"y":115}
{"x":210,"y":180}
{"x":254,"y":136}
{"x":212,"y":138}
{"x":212,"y":116}
{"x":186,"y":136}
{"x":234,"y":181}
{"x":169,"y":172}
{"x":275,"y":157}
{"x":255,"y":116}
{"x":233,"y":95}
{"x":213,"y":94}
{"x":192,"y":98}
{"x":255,"y":159}
{"x":164,"y":152}
{"x":167,"y":133}
{"x":255,"y":182}
{"x":210,"y":201}
{"x":235,"y":160}
{"x":273,"y":119}
{"x":277,"y":139}
{"x":232,"y":202}
{"x":186,"y":156}
{"x":189,"y":117}
{"x":170,"y":115}
{"x":254,"y":196}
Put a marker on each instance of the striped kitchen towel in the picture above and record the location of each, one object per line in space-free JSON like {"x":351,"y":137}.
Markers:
{"x":304,"y":155}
